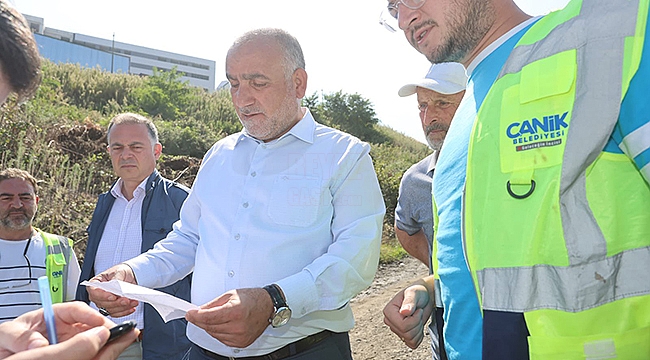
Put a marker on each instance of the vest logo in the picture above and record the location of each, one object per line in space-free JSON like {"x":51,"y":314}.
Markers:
{"x":57,"y":274}
{"x":528,"y":133}
{"x":55,"y":289}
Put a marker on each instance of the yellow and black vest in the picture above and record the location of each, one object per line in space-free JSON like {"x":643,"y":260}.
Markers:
{"x":570,"y":243}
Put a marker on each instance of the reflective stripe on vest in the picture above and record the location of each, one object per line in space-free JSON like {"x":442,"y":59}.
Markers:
{"x":58,"y":252}
{"x":560,"y":259}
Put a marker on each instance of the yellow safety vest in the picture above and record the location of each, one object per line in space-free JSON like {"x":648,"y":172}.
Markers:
{"x":59,"y":251}
{"x":569,"y":246}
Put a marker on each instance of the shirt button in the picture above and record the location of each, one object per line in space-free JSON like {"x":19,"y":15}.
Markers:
{"x":236,"y":351}
{"x":253,"y":174}
{"x":245,"y":205}
{"x":237,"y":237}
{"x":231,"y":273}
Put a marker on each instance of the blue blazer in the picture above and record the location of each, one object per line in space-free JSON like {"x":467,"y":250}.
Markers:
{"x":160,"y":209}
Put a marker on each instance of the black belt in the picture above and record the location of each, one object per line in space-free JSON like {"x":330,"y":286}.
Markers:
{"x":281,"y":353}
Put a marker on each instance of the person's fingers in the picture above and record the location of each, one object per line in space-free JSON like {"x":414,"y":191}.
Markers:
{"x":98,"y":295}
{"x":409,"y":303}
{"x":77,"y":312}
{"x":112,"y":350}
{"x":415,"y":297}
{"x":210,"y":320}
{"x":34,"y":340}
{"x":83,"y":346}
{"x":19,"y":335}
{"x":208,"y":313}
{"x":116,"y":306}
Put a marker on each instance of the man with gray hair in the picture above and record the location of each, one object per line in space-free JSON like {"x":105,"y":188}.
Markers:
{"x":282,"y":227}
{"x":439,"y":93}
{"x":137,"y":212}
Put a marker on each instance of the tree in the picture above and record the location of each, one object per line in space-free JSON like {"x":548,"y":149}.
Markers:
{"x":351,"y":113}
{"x":164,"y":94}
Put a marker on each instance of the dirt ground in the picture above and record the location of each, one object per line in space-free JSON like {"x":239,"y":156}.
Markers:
{"x":370,"y":338}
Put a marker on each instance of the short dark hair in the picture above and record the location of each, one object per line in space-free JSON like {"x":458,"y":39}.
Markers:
{"x":13,"y":173}
{"x":19,"y":58}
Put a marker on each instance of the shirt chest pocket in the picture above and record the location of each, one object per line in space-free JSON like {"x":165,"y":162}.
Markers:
{"x":295,"y":200}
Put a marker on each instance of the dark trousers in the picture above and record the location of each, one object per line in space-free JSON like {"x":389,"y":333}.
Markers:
{"x":505,"y":335}
{"x":437,"y":338}
{"x":335,"y":347}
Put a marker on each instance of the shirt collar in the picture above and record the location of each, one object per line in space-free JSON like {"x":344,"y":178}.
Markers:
{"x":498,"y":42}
{"x":433,"y":161}
{"x":116,"y":190}
{"x":303,"y":130}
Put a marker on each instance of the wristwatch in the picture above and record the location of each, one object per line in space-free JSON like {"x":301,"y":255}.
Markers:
{"x":282,"y":313}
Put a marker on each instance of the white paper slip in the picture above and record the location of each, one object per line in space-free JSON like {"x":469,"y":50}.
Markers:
{"x":169,"y":307}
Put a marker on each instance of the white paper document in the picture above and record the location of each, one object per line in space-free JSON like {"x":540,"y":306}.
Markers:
{"x":169,"y":307}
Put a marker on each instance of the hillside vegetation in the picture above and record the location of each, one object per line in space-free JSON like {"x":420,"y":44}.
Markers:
{"x":59,"y":137}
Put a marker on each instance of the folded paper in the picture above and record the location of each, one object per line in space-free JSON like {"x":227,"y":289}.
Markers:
{"x":169,"y":307}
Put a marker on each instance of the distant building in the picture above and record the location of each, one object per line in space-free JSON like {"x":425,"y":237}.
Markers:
{"x":113,"y":56}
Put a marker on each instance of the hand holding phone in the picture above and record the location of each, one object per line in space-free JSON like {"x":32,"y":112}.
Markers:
{"x":121,"y":329}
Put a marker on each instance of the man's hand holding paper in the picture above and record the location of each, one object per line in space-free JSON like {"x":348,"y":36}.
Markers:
{"x":115,"y":305}
{"x":116,"y":291}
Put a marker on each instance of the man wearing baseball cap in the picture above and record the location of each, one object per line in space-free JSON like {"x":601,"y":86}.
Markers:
{"x":438,"y":94}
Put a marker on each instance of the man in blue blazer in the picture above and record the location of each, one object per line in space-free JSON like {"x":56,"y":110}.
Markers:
{"x":137,"y":212}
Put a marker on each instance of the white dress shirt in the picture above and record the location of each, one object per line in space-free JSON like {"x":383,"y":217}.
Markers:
{"x":122,"y":238}
{"x":304,"y":211}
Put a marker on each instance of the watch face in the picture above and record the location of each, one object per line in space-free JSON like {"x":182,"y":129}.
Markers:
{"x":281,"y":317}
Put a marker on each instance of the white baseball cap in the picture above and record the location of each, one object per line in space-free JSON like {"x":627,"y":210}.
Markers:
{"x":445,"y":78}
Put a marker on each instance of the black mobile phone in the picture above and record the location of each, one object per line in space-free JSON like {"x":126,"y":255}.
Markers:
{"x":121,"y":329}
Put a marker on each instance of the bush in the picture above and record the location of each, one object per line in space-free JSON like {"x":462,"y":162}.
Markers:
{"x":59,"y":137}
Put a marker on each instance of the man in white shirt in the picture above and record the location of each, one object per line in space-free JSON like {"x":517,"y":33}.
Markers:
{"x":27,"y":253}
{"x":282,"y":226}
{"x":137,"y":212}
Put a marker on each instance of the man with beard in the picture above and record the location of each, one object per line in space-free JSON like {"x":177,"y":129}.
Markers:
{"x":282,"y":227}
{"x":27,"y":253}
{"x":438,"y":95}
{"x":82,"y":332}
{"x":541,"y":189}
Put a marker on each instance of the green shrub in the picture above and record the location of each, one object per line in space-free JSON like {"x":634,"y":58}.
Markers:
{"x":59,"y":137}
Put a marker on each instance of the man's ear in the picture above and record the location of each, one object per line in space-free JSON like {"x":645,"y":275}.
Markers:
{"x":299,"y":78}
{"x":157,"y":151}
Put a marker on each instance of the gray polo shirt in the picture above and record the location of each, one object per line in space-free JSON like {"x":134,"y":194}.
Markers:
{"x":414,"y":210}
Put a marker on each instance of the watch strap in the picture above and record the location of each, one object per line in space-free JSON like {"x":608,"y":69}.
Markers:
{"x":276,"y":296}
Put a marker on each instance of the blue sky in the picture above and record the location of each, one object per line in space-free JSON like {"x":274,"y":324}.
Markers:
{"x":345,"y":47}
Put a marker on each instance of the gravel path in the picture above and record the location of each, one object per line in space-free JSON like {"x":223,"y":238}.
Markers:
{"x":370,"y":338}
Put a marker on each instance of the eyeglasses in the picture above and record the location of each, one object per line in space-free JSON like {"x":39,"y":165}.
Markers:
{"x":389,"y":16}
{"x":17,"y":282}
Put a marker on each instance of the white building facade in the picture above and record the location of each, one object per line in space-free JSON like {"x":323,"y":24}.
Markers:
{"x":142,"y":60}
